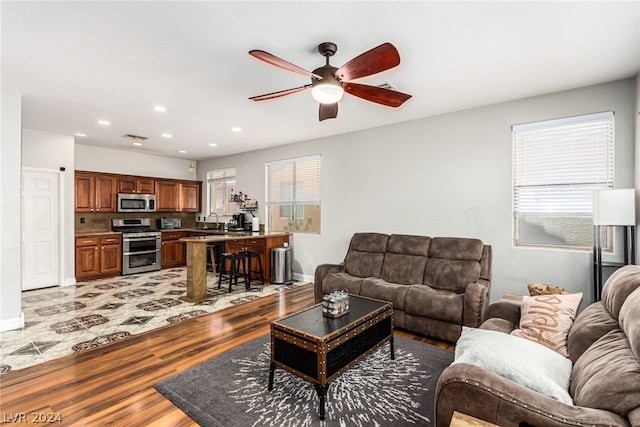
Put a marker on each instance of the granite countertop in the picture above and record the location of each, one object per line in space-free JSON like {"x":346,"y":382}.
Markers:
{"x":95,"y":233}
{"x":232,"y":236}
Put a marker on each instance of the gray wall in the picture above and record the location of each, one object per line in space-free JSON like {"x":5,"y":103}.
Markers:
{"x":448,"y":175}
{"x":10,"y":216}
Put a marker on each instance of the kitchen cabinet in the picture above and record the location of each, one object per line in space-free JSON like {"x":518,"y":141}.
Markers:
{"x":190,"y":196}
{"x":95,"y":192}
{"x":178,"y":196}
{"x":263,"y":246}
{"x":174,"y":252}
{"x":167,"y":196}
{"x":136,"y":184}
{"x":98,"y":256}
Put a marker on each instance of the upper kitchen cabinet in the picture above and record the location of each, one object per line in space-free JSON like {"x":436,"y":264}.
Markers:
{"x":178,"y":196}
{"x":136,"y":184}
{"x":190,"y":196}
{"x":95,"y":192}
{"x":167,"y":196}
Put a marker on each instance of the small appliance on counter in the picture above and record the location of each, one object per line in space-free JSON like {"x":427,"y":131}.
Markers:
{"x":237,"y":223}
{"x":169,"y":223}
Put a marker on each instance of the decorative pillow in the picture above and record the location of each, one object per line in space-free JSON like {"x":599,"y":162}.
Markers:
{"x":525,"y":362}
{"x":546,"y":319}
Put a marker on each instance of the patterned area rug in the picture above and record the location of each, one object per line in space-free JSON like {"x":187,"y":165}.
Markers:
{"x":231,"y":389}
{"x":68,"y":319}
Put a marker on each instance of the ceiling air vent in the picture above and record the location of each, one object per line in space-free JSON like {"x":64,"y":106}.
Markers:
{"x":135,"y":137}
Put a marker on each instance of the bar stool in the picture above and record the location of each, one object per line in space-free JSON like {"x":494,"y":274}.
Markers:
{"x":248,"y":271}
{"x":212,"y":256}
{"x":236,"y":260}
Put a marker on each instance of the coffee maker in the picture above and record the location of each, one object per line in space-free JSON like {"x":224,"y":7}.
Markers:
{"x":238,"y":219}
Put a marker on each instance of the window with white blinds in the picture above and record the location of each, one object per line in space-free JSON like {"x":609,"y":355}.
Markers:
{"x":220,"y":184}
{"x":556,"y":166}
{"x":293,"y":195}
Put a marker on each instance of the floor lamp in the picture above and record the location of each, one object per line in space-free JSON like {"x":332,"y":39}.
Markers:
{"x":612,"y":208}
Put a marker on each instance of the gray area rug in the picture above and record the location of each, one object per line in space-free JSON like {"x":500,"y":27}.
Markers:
{"x":231,"y":389}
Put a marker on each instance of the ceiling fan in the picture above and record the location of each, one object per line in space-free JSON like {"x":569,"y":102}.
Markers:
{"x":328,"y":83}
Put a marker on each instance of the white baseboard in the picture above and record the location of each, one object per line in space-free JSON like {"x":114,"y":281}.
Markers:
{"x":11,"y":324}
{"x":302,"y":277}
{"x":69,"y":281}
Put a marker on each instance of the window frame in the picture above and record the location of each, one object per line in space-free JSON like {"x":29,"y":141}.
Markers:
{"x":226,"y":177}
{"x":556,"y":166}
{"x":294,"y":194}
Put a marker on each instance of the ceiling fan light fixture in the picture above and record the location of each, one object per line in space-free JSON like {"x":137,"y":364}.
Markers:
{"x":327,"y":93}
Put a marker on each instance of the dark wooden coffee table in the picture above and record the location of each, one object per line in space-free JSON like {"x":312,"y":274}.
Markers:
{"x":319,"y":349}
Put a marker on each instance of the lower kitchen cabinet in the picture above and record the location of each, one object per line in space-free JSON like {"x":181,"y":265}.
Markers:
{"x":174,"y":252}
{"x":263,"y":246}
{"x":98,"y":256}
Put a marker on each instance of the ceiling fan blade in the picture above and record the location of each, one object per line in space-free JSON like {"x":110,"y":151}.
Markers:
{"x":281,"y":63}
{"x":373,"y":61}
{"x":388,"y":97}
{"x":328,"y":111}
{"x":279,"y":93}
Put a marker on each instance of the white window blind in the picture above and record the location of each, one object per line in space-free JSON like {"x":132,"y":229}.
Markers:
{"x":293,"y":194}
{"x":556,"y":166}
{"x":220,"y":183}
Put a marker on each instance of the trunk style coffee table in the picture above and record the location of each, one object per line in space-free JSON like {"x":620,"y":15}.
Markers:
{"x":319,"y":349}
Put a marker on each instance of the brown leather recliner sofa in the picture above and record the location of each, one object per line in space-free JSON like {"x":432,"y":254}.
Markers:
{"x":436,"y":284}
{"x":604,"y":348}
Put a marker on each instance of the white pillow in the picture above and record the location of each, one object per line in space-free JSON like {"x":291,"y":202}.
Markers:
{"x":526,"y":362}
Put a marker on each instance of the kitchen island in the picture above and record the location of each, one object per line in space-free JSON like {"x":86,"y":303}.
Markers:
{"x":197,"y":256}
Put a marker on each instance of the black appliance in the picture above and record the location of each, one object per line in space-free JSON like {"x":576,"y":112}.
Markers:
{"x":141,"y":246}
{"x":238,"y":222}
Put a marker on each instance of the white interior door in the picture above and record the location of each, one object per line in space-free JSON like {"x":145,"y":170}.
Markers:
{"x":40,"y":229}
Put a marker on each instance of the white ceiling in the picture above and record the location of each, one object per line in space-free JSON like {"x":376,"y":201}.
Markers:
{"x":78,"y":62}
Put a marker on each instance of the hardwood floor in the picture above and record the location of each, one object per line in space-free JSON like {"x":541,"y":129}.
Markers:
{"x":113,"y":384}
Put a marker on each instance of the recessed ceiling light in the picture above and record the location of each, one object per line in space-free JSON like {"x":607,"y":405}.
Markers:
{"x":160,"y":108}
{"x":80,"y":134}
{"x":167,"y":135}
{"x":182,"y":152}
{"x":236,"y":129}
{"x":213,"y":145}
{"x":104,"y":122}
{"x":137,"y":143}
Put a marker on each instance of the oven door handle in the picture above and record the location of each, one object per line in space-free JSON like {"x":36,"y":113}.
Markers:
{"x":142,"y":252}
{"x":138,"y":239}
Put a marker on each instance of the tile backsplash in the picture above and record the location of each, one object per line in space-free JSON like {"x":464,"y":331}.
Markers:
{"x":92,"y":222}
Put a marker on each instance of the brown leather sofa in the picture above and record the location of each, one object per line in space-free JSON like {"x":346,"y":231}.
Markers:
{"x":436,"y":284}
{"x":604,"y":348}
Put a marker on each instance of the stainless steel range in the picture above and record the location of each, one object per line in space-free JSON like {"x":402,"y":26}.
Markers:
{"x":141,"y":246}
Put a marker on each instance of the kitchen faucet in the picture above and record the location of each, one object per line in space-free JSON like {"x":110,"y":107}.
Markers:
{"x":205,"y":227}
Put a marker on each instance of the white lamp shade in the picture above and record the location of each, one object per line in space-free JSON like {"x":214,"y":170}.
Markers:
{"x":614,"y":207}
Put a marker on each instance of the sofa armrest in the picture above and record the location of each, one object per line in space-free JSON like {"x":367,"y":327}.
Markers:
{"x":506,"y":310}
{"x":476,"y":301}
{"x":482,"y":394}
{"x":321,"y":271}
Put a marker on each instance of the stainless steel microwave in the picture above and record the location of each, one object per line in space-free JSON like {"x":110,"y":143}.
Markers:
{"x":136,"y":202}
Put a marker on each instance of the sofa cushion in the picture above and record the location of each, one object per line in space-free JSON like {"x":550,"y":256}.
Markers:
{"x":607,"y":375}
{"x":525,"y":362}
{"x":618,"y":287}
{"x":453,"y":263}
{"x":546,"y":319}
{"x":590,"y":325}
{"x":366,"y":254}
{"x":339,"y":281}
{"x":380,"y":289}
{"x":422,"y":300}
{"x":630,"y":321}
{"x":405,"y":259}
